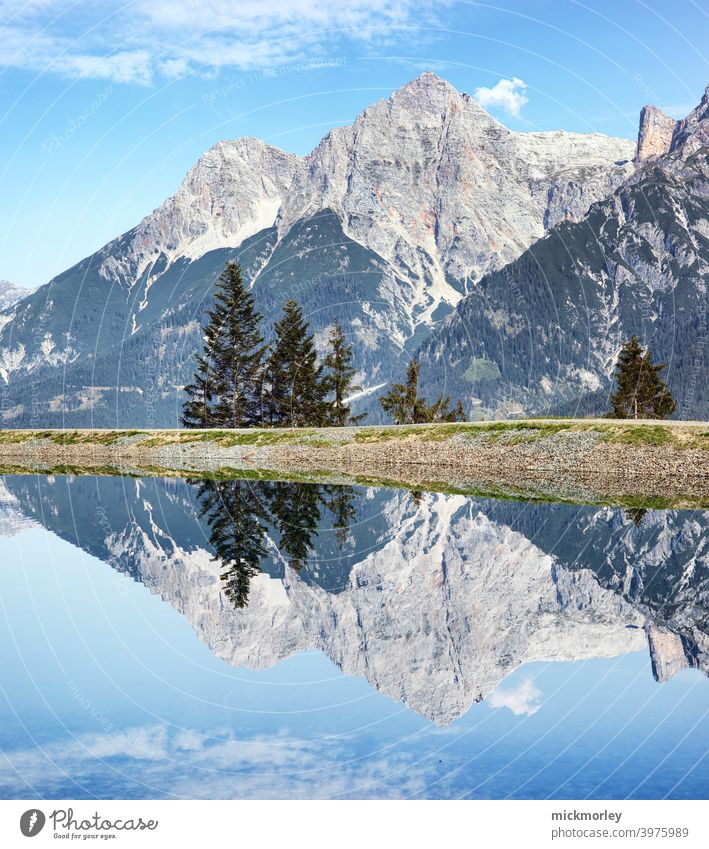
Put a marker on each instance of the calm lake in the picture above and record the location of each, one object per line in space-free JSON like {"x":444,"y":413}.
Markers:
{"x":167,"y":638}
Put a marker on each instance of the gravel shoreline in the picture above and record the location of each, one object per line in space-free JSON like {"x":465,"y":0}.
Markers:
{"x":556,"y":460}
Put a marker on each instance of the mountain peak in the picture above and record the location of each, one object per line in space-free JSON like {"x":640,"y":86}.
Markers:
{"x":429,"y":88}
{"x":427,"y":92}
{"x":659,"y":134}
{"x":654,"y":133}
{"x":429,"y":80}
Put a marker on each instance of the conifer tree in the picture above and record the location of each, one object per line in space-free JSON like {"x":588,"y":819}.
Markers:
{"x":641,"y":392}
{"x":294,"y":385}
{"x":340,"y":501}
{"x":636,"y":515}
{"x":238,"y":352}
{"x":225,"y":391}
{"x":406,"y":406}
{"x":197,"y":409}
{"x":338,"y":380}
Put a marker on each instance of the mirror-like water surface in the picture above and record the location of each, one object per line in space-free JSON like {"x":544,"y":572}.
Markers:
{"x":218,"y":639}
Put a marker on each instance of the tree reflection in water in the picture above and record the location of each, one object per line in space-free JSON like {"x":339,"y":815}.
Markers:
{"x":240,"y":514}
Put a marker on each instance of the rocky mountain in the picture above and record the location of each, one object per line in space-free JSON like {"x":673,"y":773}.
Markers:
{"x":434,"y":599}
{"x":12,"y":519}
{"x":384,"y":226}
{"x":542,"y":335}
{"x":10,"y":295}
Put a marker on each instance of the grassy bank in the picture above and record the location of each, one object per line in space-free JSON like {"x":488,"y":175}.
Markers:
{"x":625,"y":432}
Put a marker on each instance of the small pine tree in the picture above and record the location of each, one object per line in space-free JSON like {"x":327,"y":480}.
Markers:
{"x":293,"y":383}
{"x":338,"y":380}
{"x":636,"y":515}
{"x":405,"y":405}
{"x":402,"y":401}
{"x":641,"y":392}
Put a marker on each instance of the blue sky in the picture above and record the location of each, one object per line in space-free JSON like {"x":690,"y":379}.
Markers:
{"x":105,"y":105}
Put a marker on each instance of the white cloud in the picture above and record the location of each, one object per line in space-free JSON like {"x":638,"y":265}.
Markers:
{"x":522,"y":700}
{"x":163,"y":39}
{"x":507,"y":95}
{"x":192,"y":765}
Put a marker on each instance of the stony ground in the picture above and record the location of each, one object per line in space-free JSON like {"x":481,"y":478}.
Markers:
{"x":649,"y":463}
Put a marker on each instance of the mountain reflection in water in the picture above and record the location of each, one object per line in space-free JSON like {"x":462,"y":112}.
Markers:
{"x":433,"y":598}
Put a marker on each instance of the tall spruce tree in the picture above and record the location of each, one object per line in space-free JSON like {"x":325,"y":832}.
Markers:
{"x":641,"y":392}
{"x":340,"y":501}
{"x":406,"y":406}
{"x":294,"y":390}
{"x":238,"y":352}
{"x":226,"y":388}
{"x":338,"y":380}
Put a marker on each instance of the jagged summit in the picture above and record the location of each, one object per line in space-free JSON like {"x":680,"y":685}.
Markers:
{"x":637,"y":264}
{"x":429,"y":83}
{"x":654,"y":133}
{"x":407,"y":179}
{"x":384,"y":226}
{"x":659,"y":134}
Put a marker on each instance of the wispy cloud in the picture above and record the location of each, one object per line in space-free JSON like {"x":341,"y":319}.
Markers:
{"x":163,"y":39}
{"x":508,"y":95}
{"x":522,"y":700}
{"x":151,"y":761}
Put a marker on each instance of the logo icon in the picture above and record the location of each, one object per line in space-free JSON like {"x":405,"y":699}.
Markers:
{"x":32,"y":822}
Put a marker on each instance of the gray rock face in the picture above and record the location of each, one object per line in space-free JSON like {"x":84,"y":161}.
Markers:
{"x":441,"y":597}
{"x":12,"y":519}
{"x":551,"y":324}
{"x":233,"y":191}
{"x":666,"y":653}
{"x":432,"y":183}
{"x":445,"y":606}
{"x":426,"y":179}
